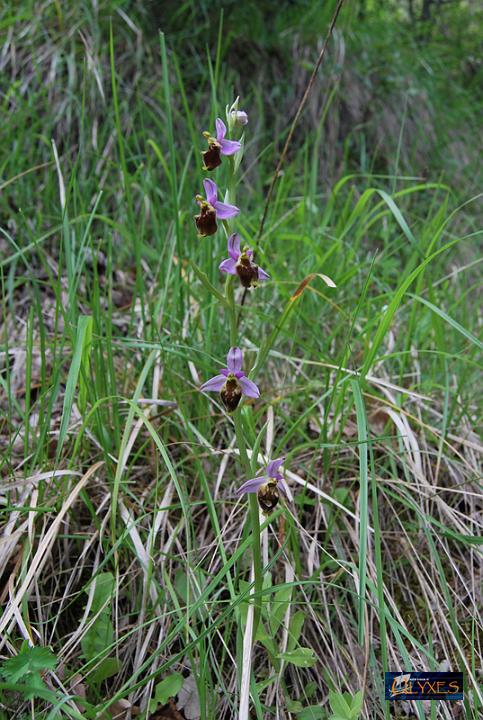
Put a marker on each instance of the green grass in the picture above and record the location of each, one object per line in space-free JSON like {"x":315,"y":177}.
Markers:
{"x":114,"y":466}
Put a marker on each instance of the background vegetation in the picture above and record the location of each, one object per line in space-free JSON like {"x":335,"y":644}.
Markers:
{"x":115,"y":469}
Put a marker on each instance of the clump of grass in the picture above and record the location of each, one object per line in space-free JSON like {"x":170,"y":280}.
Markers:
{"x":113,"y":465}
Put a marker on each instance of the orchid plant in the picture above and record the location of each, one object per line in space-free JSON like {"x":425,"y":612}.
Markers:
{"x":235,"y":385}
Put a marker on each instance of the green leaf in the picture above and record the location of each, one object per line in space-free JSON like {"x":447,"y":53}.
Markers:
{"x":84,"y":334}
{"x":313,"y":712}
{"x":279,"y":605}
{"x":301,"y":657}
{"x":239,"y":155}
{"x":99,"y":637}
{"x":339,"y":705}
{"x":103,"y":592}
{"x":363,"y":504}
{"x":29,"y":691}
{"x":29,"y":661}
{"x":101,"y":633}
{"x":356,"y":706}
{"x":459,"y":328}
{"x":107,"y":668}
{"x":295,"y":629}
{"x":181,"y":585}
{"x":266,"y":639}
{"x":167,"y":688}
{"x":84,"y":366}
{"x":310,"y":689}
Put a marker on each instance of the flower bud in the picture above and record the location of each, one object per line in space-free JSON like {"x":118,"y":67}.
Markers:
{"x":239,"y":117}
{"x":234,"y":116}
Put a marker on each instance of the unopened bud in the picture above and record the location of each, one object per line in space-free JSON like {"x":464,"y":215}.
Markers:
{"x":235,"y":117}
{"x":239,"y":117}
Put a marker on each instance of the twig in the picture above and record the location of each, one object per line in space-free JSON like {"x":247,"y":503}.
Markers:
{"x":292,"y":130}
{"x":297,"y":116}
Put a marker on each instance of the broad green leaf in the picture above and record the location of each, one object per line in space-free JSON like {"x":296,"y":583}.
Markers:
{"x":181,"y":585}
{"x":100,"y":634}
{"x":103,"y":592}
{"x":356,"y":706}
{"x":301,"y":657}
{"x":167,"y":688}
{"x":295,"y":629}
{"x":313,"y":712}
{"x":310,"y":689}
{"x":29,"y":661}
{"x":266,"y":640}
{"x":107,"y":668}
{"x":98,"y":637}
{"x":279,"y":607}
{"x":339,"y":705}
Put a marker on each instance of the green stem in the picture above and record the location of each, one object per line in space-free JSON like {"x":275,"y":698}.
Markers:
{"x":254,"y":519}
{"x":253,"y":515}
{"x":230,"y":299}
{"x":231,"y":186}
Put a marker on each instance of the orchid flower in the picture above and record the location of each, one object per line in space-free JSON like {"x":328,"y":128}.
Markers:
{"x":212,"y":210}
{"x":240,"y":263}
{"x":232,"y":382}
{"x":218,"y":146}
{"x":268,"y":486}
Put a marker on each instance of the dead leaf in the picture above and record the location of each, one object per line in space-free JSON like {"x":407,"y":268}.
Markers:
{"x":122,"y":709}
{"x":377,"y":420}
{"x":307,"y":280}
{"x":188,"y":700}
{"x":167,"y":712}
